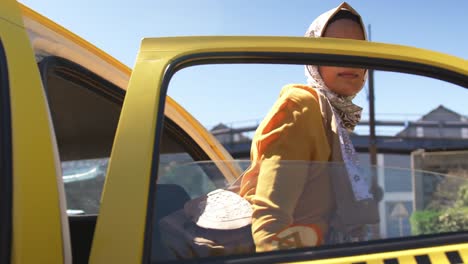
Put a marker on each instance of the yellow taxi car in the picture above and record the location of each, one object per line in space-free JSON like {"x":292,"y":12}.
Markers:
{"x":84,"y":139}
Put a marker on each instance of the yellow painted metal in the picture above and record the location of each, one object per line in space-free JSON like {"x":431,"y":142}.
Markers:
{"x":121,"y":224}
{"x":439,"y":257}
{"x":26,"y":11}
{"x":436,"y":254}
{"x":192,"y":45}
{"x":374,"y":261}
{"x":9,"y":13}
{"x":37,"y":235}
{"x":120,"y":228}
{"x":407,"y":260}
{"x":464,"y":254}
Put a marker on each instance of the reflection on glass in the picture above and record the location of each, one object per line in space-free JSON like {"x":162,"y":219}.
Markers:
{"x":84,"y":180}
{"x":194,"y":180}
{"x":220,"y":221}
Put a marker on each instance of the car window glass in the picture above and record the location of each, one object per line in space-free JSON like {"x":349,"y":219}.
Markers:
{"x":419,"y":178}
{"x":85,"y":111}
{"x":195,"y":181}
{"x":178,"y":148}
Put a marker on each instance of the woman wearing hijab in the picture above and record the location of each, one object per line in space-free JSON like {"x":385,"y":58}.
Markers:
{"x":291,"y":207}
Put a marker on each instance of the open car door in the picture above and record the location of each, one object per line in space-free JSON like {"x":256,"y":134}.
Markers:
{"x":125,"y":227}
{"x":34,"y":227}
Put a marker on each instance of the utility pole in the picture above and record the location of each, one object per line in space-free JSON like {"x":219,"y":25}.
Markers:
{"x":372,"y":136}
{"x":375,"y":229}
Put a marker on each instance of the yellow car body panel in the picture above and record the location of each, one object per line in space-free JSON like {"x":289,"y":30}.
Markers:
{"x":40,"y":227}
{"x":125,"y":235}
{"x":112,"y":241}
{"x":434,"y":254}
{"x":175,"y":47}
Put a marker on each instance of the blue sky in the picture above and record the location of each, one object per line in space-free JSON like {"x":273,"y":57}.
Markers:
{"x":118,"y":27}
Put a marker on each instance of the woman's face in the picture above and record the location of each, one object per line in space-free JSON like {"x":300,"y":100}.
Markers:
{"x":341,"y":80}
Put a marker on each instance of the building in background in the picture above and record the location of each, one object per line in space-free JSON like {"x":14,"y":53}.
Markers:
{"x":438,"y":123}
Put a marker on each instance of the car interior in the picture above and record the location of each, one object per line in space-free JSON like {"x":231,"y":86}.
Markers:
{"x":85,"y":110}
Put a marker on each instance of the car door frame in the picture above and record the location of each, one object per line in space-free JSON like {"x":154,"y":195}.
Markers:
{"x":123,"y":229}
{"x":6,"y":171}
{"x":38,"y":224}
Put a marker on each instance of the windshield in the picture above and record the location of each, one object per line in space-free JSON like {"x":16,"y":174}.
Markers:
{"x":307,"y":204}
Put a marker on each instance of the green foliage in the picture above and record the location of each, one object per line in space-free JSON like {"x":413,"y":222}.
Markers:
{"x":454,"y":219}
{"x":445,"y":220}
{"x":462,"y":200}
{"x":445,"y":194}
{"x":424,"y":222}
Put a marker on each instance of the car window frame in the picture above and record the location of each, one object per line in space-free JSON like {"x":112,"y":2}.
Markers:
{"x":334,"y":251}
{"x":174,"y":59}
{"x":344,"y":250}
{"x":108,"y":90}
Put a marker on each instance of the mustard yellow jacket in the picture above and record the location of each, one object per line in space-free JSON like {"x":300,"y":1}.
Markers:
{"x":283,"y":196}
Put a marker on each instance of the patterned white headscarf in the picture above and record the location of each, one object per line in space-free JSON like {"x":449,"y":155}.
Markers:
{"x":349,"y":113}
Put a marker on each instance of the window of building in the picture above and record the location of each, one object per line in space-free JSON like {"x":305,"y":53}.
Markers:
{"x":419,"y":132}
{"x":464,"y":132}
